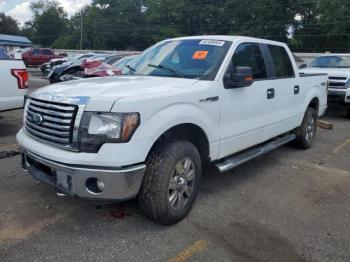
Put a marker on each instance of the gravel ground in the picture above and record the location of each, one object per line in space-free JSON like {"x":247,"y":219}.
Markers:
{"x":289,"y":205}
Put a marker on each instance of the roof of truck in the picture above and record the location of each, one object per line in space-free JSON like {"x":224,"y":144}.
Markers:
{"x":230,"y":38}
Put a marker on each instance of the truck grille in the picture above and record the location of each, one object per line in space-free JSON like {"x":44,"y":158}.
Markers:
{"x":337,"y":78}
{"x":337,"y":82}
{"x":50,"y":121}
{"x":338,"y":85}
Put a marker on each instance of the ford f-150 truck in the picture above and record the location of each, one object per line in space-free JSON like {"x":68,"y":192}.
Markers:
{"x":14,"y":84}
{"x":184,"y":101}
{"x":337,"y":66}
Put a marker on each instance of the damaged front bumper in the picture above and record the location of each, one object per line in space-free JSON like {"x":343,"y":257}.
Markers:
{"x":98,"y":183}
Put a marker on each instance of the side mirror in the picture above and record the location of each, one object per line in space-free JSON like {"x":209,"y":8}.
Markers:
{"x":303,"y":66}
{"x":242,"y":77}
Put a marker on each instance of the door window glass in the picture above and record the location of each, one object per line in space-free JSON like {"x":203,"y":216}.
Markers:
{"x":283,"y":65}
{"x":36,"y":52}
{"x":47,"y":52}
{"x":250,"y":55}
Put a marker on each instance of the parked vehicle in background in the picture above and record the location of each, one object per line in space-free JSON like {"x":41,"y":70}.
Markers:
{"x":46,"y":68}
{"x":109,"y":68}
{"x":38,"y":56}
{"x":75,"y":70}
{"x":185,"y":101}
{"x":14,"y":84}
{"x":337,"y":67}
{"x":56,"y":71}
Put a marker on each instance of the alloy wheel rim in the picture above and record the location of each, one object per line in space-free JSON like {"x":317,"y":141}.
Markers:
{"x":181,"y":184}
{"x":310,"y":129}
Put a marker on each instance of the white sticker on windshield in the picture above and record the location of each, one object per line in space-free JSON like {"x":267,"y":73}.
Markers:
{"x":212,"y":42}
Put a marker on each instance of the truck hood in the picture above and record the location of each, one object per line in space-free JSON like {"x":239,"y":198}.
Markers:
{"x":340,"y":72}
{"x":100,"y":93}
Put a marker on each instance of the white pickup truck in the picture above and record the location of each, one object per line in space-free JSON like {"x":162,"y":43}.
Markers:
{"x":14,"y":84}
{"x":337,"y":66}
{"x":185,"y":101}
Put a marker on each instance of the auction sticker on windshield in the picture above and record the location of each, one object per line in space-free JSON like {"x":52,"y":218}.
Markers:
{"x":212,"y":42}
{"x":200,"y":55}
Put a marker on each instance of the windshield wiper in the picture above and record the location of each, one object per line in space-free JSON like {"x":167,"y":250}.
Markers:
{"x":173,"y":71}
{"x":130,"y":68}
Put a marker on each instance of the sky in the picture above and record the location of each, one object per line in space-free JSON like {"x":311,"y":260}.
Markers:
{"x":20,"y":9}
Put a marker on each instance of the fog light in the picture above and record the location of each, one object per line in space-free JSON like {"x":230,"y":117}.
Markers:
{"x":94,"y":186}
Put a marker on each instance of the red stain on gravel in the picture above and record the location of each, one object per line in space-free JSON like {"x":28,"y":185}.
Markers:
{"x":119,"y":213}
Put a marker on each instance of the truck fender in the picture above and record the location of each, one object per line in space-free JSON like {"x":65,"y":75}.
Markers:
{"x":176,"y":114}
{"x":315,"y":92}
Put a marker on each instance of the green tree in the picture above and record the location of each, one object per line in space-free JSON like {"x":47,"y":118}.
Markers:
{"x":8,"y":25}
{"x":49,"y":23}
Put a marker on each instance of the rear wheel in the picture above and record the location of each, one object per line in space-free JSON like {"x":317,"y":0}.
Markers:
{"x":171,"y":182}
{"x":307,"y":131}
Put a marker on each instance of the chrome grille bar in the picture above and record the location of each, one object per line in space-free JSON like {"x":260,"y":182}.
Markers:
{"x":51,"y":122}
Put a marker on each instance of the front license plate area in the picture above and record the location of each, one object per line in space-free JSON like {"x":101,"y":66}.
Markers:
{"x":48,"y":175}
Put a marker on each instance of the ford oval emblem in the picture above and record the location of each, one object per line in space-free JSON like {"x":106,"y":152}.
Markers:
{"x":37,"y":119}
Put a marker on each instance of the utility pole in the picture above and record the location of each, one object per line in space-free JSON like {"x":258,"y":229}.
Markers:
{"x":81,"y":30}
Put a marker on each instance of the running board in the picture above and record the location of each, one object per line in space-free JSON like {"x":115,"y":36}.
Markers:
{"x":250,"y":154}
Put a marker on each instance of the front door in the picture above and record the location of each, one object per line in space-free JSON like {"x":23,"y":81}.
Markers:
{"x":246,"y":111}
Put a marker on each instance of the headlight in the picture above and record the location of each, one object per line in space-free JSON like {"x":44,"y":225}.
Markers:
{"x":97,"y":129}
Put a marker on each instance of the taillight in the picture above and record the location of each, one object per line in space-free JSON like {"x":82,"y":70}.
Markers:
{"x":21,"y":76}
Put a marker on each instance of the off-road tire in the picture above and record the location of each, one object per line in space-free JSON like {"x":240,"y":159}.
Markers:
{"x":153,"y":197}
{"x":301,"y":132}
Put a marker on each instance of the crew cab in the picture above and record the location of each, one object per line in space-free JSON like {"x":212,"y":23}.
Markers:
{"x":38,"y":56}
{"x":337,"y":66}
{"x":183,"y":102}
{"x":14,"y":84}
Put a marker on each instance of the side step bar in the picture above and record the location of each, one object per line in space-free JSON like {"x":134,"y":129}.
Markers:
{"x":250,"y":154}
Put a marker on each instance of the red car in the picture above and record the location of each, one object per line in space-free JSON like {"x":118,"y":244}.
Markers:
{"x":38,"y":56}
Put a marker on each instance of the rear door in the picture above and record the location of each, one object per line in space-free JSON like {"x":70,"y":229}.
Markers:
{"x":288,"y":92}
{"x":245,"y":112}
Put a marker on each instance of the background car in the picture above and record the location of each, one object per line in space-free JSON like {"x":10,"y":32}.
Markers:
{"x":74,"y":69}
{"x":38,"y":56}
{"x":110,"y":69}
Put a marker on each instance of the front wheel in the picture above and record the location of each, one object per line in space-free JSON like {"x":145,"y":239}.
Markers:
{"x":348,"y":112}
{"x":171,"y":182}
{"x":305,"y":134}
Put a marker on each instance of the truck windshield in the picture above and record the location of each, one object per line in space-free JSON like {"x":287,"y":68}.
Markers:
{"x":196,"y":59}
{"x":331,"y":62}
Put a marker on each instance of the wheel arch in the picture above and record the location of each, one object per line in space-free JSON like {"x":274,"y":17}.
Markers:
{"x":314,"y":103}
{"x":189,"y":132}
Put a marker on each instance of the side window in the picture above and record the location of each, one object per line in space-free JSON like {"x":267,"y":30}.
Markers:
{"x":250,"y":55}
{"x":283,"y":65}
{"x":36,"y":52}
{"x":47,"y":52}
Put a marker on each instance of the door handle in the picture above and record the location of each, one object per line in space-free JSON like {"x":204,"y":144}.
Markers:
{"x":296,"y":90}
{"x":270,"y":93}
